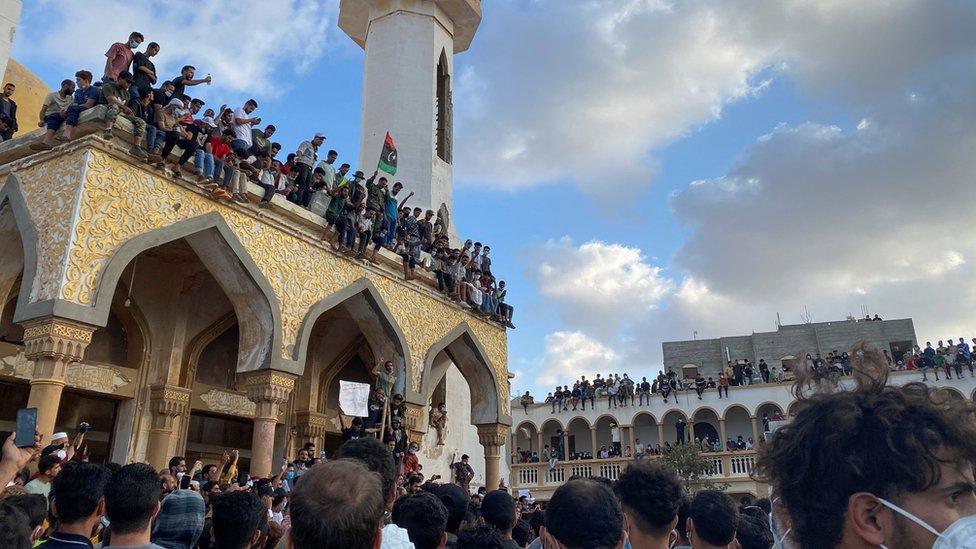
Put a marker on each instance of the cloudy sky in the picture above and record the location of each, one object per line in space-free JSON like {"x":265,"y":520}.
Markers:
{"x":642,"y":169}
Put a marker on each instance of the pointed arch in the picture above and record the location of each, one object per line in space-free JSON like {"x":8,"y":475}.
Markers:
{"x":12,"y":198}
{"x":371,"y":309}
{"x":222,"y":253}
{"x":465,"y":351}
{"x":443,"y":108}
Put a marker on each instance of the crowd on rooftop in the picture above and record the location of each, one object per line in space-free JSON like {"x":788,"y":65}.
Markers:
{"x":949,"y":357}
{"x":848,"y":471}
{"x":224,"y":150}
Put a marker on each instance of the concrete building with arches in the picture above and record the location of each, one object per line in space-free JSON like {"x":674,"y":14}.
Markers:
{"x":750,"y":412}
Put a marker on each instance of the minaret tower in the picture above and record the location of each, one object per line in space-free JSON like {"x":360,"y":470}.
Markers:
{"x":407,"y":85}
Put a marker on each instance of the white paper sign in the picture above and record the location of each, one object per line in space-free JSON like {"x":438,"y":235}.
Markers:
{"x":353,"y":398}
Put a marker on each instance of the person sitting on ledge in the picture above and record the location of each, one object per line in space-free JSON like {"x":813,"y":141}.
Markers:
{"x":115,"y":96}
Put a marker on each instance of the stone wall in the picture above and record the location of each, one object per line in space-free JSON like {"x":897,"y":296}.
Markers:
{"x":789,"y":340}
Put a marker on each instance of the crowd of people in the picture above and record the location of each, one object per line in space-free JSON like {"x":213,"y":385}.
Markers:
{"x":949,"y":357}
{"x":224,"y":150}
{"x":870,"y":465}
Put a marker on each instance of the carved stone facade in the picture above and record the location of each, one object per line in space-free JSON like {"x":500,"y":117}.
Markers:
{"x":86,"y":210}
{"x":117,"y":201}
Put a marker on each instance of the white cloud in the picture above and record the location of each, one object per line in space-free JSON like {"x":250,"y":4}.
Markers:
{"x":568,"y":355}
{"x":601,"y":284}
{"x":247,"y":45}
{"x":588,"y":91}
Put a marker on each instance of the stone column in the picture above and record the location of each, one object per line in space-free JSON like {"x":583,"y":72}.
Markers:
{"x":413,"y":421}
{"x":311,"y":428}
{"x":755,"y":431}
{"x":593,"y":441}
{"x":267,"y":390}
{"x":492,"y":436}
{"x":721,"y":432}
{"x":540,"y":446}
{"x":166,"y":403}
{"x":52,"y":344}
{"x":630,"y":436}
{"x":660,"y":434}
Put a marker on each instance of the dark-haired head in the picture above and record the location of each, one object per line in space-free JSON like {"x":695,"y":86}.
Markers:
{"x":583,"y":513}
{"x":15,"y":531}
{"x":498,"y":510}
{"x":854,"y":446}
{"x":456,"y":500}
{"x":713,"y":518}
{"x":77,"y":493}
{"x":483,"y":536}
{"x":239,"y":519}
{"x":132,"y":498}
{"x":649,"y":494}
{"x":753,"y":532}
{"x":424,"y":517}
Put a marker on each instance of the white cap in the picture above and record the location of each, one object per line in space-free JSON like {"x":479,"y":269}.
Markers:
{"x":320,"y":134}
{"x":208,"y":120}
{"x":57,"y":436}
{"x":175,"y":101}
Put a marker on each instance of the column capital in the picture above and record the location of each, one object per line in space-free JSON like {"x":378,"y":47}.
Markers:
{"x":492,"y":436}
{"x":268,"y":386}
{"x":414,"y":418}
{"x":56,"y":338}
{"x":311,"y":424}
{"x":169,"y":400}
{"x":268,"y":389}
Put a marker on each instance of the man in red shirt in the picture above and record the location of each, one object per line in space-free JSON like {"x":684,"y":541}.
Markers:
{"x":119,"y":56}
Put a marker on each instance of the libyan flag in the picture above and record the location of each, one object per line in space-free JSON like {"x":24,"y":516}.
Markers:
{"x":388,"y":158}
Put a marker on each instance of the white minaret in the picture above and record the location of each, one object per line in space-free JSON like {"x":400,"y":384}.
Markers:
{"x":9,"y":16}
{"x":407,"y":85}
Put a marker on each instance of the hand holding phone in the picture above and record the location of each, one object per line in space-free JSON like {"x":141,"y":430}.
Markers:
{"x":26,"y":427}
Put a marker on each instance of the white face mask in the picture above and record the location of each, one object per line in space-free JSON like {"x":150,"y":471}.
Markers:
{"x":961,"y":534}
{"x":61,"y":454}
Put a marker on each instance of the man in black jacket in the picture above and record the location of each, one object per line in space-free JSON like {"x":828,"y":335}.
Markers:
{"x":8,"y":109}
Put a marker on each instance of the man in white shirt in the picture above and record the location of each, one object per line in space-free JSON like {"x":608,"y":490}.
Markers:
{"x":243,"y":121}
{"x":49,"y":466}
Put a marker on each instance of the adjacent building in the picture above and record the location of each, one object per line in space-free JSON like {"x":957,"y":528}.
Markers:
{"x":788,"y":342}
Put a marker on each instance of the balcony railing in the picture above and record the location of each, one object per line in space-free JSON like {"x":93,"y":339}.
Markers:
{"x":722,"y":466}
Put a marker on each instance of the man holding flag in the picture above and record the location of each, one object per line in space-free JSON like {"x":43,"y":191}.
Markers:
{"x":388,"y":163}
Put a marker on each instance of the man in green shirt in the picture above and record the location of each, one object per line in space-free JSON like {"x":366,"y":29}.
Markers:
{"x":115,"y":95}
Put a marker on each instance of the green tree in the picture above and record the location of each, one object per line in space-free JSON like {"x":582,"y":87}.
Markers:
{"x":693,"y":468}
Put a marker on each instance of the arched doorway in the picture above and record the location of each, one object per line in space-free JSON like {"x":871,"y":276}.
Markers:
{"x":343,"y":338}
{"x":580,"y":443}
{"x":706,"y":427}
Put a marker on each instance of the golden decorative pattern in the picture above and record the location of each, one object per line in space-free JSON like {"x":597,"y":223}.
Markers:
{"x":122,"y":200}
{"x":271,"y":379}
{"x":50,"y":189}
{"x":92,"y":377}
{"x":58,"y":329}
{"x":226,"y":402}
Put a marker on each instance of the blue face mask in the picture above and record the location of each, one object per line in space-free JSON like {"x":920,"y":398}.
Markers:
{"x":133,"y":44}
{"x":290,"y":475}
{"x":959,"y":535}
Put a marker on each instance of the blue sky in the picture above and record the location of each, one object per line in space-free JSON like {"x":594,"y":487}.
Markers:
{"x":644,"y":169}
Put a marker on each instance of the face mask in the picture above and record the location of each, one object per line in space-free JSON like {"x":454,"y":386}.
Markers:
{"x":959,"y":535}
{"x":133,"y":44}
{"x":290,"y":475}
{"x":413,"y":450}
{"x":61,"y":454}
